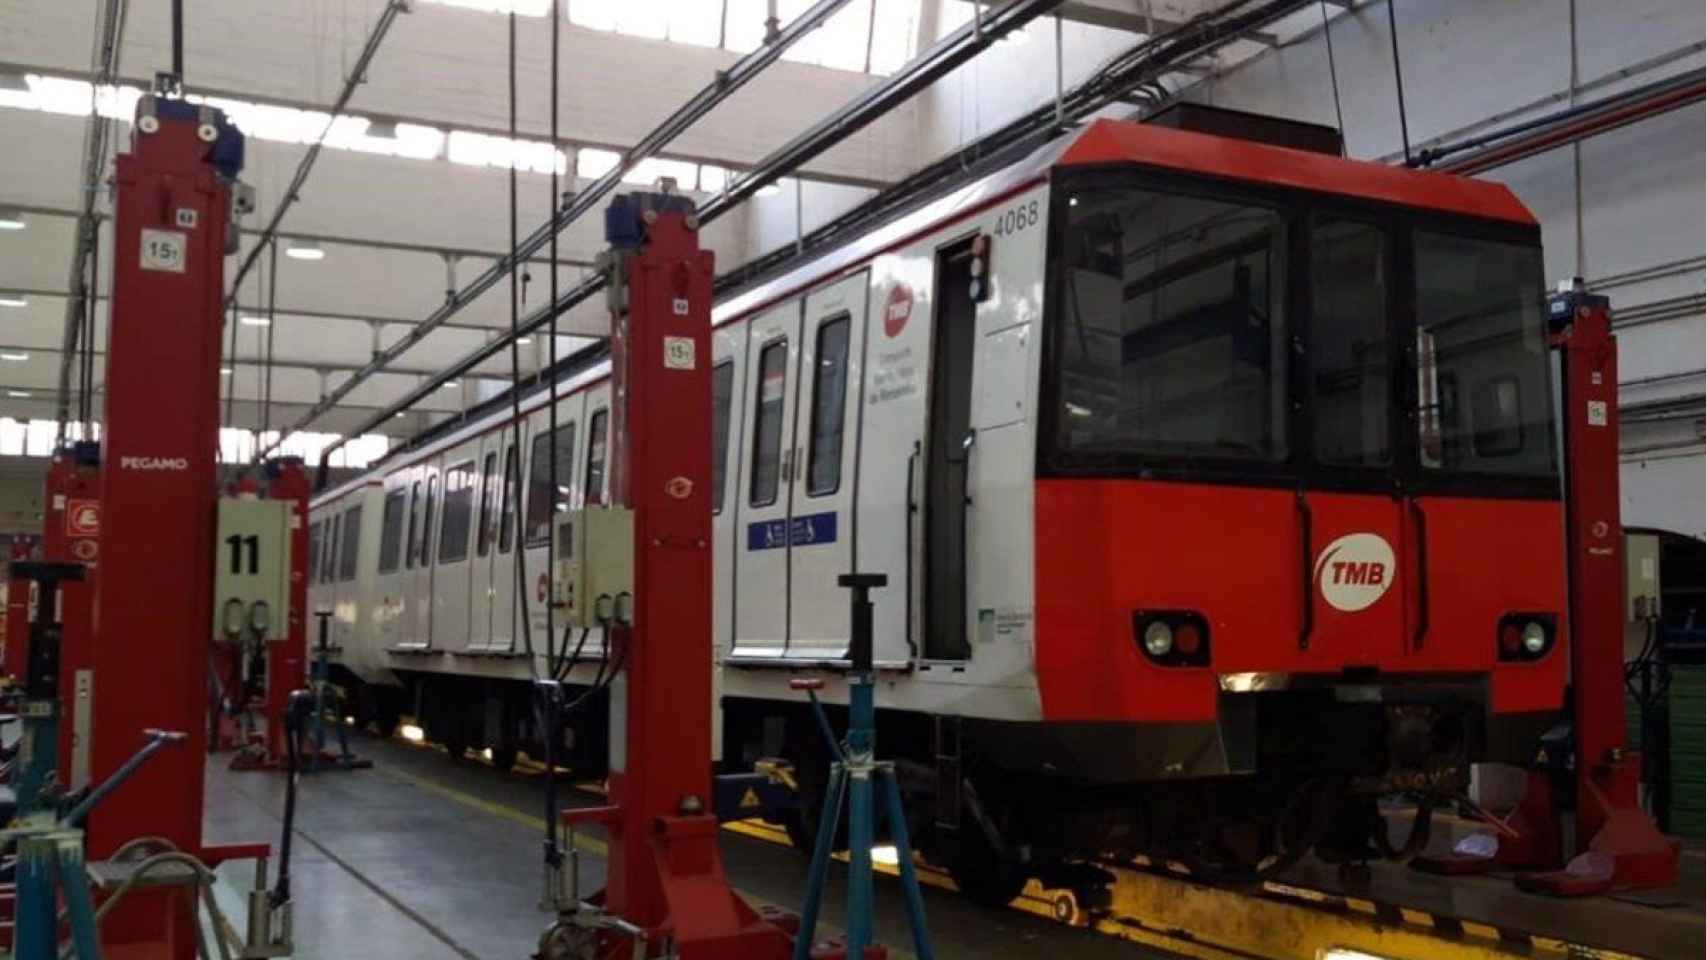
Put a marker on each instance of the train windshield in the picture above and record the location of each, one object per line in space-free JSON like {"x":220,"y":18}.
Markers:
{"x":1272,"y":335}
{"x":1173,"y":338}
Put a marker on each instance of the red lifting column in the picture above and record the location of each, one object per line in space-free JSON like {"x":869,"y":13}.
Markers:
{"x":1620,"y":847}
{"x":153,"y":617}
{"x":71,"y":534}
{"x":665,"y":875}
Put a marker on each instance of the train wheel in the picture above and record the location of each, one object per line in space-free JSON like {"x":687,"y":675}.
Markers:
{"x":984,"y":876}
{"x":386,"y":717}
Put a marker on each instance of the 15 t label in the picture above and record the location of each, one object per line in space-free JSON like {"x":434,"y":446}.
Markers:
{"x":163,"y":250}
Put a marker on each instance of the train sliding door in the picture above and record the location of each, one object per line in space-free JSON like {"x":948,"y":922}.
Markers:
{"x":948,"y":449}
{"x":452,"y":577}
{"x":765,"y":490}
{"x":820,"y":523}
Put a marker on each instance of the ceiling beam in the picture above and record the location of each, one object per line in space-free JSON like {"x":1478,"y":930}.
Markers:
{"x":285,"y":363}
{"x":437,"y":249}
{"x":567,"y":144}
{"x":287,"y":311}
{"x":1120,"y":15}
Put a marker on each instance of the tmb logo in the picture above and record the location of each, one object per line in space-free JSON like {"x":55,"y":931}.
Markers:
{"x":897,"y":310}
{"x":1355,"y":570}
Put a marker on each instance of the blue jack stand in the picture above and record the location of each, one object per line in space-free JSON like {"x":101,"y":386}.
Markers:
{"x":320,"y":681}
{"x":851,"y":777}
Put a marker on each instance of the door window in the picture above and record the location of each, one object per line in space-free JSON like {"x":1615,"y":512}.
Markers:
{"x":722,"y":399}
{"x":314,"y":553}
{"x":328,"y":556}
{"x":488,"y":494}
{"x":829,"y":408}
{"x":351,"y":544}
{"x":597,"y":435}
{"x":426,"y":519}
{"x":391,"y":531}
{"x":415,"y":505}
{"x":1350,"y":382}
{"x":459,"y":482}
{"x":767,"y":424}
{"x":506,"y":525}
{"x":542,"y":500}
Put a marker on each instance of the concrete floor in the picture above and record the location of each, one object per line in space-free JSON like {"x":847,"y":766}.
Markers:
{"x":422,"y":858}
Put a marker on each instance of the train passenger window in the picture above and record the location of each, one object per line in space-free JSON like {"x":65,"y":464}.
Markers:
{"x":414,"y":551}
{"x":426,"y":519}
{"x":488,"y":495}
{"x":391,"y":531}
{"x":459,"y":484}
{"x":829,"y":408}
{"x":540,"y":499}
{"x":722,"y":399}
{"x":1350,"y":381}
{"x":506,"y":524}
{"x":351,"y":544}
{"x":1173,"y":342}
{"x":598,"y":433}
{"x":767,"y":424}
{"x":1480,"y":335}
{"x":314,"y":552}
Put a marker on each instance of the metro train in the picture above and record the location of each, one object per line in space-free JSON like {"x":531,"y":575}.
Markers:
{"x":1215,"y":480}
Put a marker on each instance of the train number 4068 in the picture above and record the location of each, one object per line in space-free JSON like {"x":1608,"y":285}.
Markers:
{"x":1021,"y":217}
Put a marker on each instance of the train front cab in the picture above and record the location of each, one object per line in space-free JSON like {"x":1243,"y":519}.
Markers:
{"x":1298,"y":511}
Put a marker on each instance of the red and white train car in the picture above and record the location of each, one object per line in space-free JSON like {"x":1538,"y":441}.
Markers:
{"x":1216,"y":482}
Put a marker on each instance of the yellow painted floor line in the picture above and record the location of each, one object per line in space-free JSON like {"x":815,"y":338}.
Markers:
{"x":582,"y":842}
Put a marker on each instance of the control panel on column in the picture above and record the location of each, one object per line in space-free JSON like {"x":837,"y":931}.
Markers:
{"x":594,"y":571}
{"x":251,"y":570}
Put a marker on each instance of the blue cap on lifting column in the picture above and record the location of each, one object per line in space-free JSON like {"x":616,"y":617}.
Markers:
{"x":624,"y":219}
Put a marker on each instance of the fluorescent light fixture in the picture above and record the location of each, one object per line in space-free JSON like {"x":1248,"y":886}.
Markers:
{"x":225,"y":371}
{"x":523,"y":341}
{"x":768,"y":190}
{"x":398,"y":415}
{"x":12,"y":219}
{"x":20,"y":394}
{"x":13,"y":300}
{"x":452,"y":384}
{"x":249,"y":320}
{"x":304,"y":250}
{"x":14,"y":357}
{"x":1346,"y":953}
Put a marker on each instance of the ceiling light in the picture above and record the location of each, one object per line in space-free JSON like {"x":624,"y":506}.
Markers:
{"x":12,"y":219}
{"x":13,"y":300}
{"x":248,"y":320}
{"x":225,"y":371}
{"x":398,"y":414}
{"x":304,"y":250}
{"x":20,"y":394}
{"x":452,"y":384}
{"x":523,"y":341}
{"x":14,"y":357}
{"x":768,"y":190}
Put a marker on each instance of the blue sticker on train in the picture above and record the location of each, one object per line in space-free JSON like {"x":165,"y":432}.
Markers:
{"x":802,"y":532}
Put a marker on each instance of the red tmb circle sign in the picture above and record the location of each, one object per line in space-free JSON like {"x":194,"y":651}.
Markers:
{"x":82,"y":518}
{"x":897,"y":310}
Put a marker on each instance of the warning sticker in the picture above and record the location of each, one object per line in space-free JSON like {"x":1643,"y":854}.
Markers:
{"x":82,"y":518}
{"x":678,"y":353}
{"x":1596,"y":413}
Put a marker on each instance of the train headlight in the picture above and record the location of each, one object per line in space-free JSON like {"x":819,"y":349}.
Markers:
{"x":1158,"y":639}
{"x":1526,"y":636}
{"x":1534,"y":638}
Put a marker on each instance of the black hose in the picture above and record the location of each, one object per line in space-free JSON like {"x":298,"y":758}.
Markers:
{"x":178,"y":39}
{"x":296,"y":713}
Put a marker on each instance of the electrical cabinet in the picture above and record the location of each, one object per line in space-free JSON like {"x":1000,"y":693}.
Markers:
{"x":251,"y":570}
{"x":594,"y":565}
